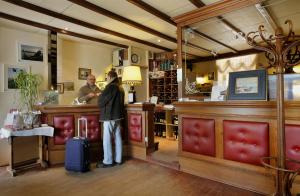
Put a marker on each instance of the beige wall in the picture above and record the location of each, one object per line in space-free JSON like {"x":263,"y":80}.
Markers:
{"x":9,"y":39}
{"x":74,"y":55}
{"x":222,"y":67}
{"x":142,"y":91}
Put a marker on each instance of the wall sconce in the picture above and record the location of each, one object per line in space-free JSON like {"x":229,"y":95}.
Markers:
{"x":132,"y":76}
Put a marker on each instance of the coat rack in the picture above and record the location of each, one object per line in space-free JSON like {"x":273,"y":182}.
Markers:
{"x":283,"y":52}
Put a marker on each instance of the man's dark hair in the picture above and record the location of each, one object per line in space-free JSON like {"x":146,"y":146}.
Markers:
{"x":112,"y":74}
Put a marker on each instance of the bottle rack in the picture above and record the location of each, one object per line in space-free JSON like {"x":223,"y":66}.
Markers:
{"x":166,"y":124}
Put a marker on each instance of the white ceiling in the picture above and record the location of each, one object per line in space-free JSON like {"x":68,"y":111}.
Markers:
{"x":247,"y":19}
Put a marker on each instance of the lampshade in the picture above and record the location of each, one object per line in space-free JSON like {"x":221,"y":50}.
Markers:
{"x":132,"y":75}
{"x":200,"y":80}
{"x":296,"y":68}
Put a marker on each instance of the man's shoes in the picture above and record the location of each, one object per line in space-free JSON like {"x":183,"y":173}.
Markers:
{"x":116,"y":163}
{"x":103,"y":165}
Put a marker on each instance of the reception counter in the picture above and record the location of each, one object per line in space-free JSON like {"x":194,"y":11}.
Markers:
{"x":137,"y":130}
{"x":224,"y":141}
{"x":140,"y":128}
{"x":64,"y":120}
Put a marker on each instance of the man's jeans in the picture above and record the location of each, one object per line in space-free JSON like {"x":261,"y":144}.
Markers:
{"x":112,"y":129}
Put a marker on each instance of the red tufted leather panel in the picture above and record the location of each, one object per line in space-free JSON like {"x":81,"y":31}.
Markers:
{"x":93,"y":128}
{"x":292,"y":138}
{"x":64,"y":129}
{"x":198,"y":136}
{"x":135,"y":127}
{"x":246,"y":141}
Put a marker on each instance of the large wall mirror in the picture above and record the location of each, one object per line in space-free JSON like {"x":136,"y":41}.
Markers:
{"x":212,"y":47}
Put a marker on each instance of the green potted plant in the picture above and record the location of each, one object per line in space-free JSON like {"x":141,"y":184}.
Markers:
{"x":28,"y":83}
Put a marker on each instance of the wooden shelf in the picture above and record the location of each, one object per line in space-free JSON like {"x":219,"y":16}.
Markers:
{"x":169,"y":81}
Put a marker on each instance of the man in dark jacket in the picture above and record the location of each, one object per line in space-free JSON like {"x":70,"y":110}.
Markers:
{"x":111,"y":104}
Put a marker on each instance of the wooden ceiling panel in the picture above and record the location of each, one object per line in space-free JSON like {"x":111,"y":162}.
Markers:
{"x":125,"y":9}
{"x":76,"y":28}
{"x":208,"y":2}
{"x":136,"y":14}
{"x":87,"y":15}
{"x":207,"y":44}
{"x":189,"y":50}
{"x":54,"y":5}
{"x":282,"y":11}
{"x":279,"y":9}
{"x":24,"y":13}
{"x":171,"y":7}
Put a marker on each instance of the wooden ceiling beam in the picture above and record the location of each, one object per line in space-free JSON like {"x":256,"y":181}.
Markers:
{"x":213,"y":10}
{"x":229,"y":25}
{"x":82,"y":23}
{"x":62,"y":31}
{"x":197,"y":3}
{"x":122,"y":19}
{"x":148,"y":8}
{"x":225,"y":55}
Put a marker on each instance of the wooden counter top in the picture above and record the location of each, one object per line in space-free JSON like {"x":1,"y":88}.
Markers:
{"x":257,"y":109}
{"x":262,"y":104}
{"x":48,"y":109}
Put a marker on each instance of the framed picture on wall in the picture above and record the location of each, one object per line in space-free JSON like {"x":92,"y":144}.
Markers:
{"x":10,"y":73}
{"x":83,"y":73}
{"x":247,"y":85}
{"x":30,"y":53}
{"x":60,"y":88}
{"x":211,"y":76}
{"x":69,"y":86}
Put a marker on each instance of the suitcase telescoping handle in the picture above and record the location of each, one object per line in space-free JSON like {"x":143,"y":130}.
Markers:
{"x":78,"y":127}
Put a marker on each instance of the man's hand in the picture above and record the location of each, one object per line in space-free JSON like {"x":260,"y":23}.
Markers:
{"x":90,"y":95}
{"x":98,"y":94}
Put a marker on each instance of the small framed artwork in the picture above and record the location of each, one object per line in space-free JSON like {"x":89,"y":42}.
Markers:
{"x":211,"y":76}
{"x":10,"y":73}
{"x":60,"y":88}
{"x":30,"y":53}
{"x":247,"y":85}
{"x":83,"y":73}
{"x":69,"y":86}
{"x":119,"y":72}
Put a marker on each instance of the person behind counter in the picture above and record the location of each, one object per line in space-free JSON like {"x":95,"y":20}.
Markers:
{"x":111,"y":104}
{"x":89,"y":92}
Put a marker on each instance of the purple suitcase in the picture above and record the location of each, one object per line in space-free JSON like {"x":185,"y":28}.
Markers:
{"x":77,"y":151}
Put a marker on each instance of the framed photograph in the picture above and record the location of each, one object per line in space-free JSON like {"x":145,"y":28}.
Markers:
{"x":69,"y":86}
{"x":211,"y":76}
{"x":60,"y":88}
{"x":119,"y":72}
{"x":27,"y":52}
{"x":10,"y":73}
{"x":247,"y":85}
{"x":83,"y":73}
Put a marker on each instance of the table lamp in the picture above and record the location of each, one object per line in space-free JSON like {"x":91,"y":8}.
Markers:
{"x":132,"y":76}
